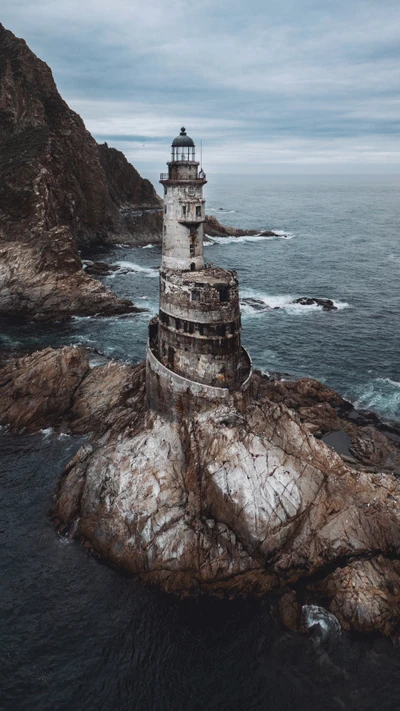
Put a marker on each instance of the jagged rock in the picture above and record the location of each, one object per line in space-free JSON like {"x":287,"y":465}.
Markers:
{"x":326,"y":304}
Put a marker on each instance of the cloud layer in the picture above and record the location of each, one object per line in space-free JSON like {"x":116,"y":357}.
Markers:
{"x":268,"y":85}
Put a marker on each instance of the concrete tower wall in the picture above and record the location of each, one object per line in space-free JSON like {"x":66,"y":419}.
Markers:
{"x":184,"y":214}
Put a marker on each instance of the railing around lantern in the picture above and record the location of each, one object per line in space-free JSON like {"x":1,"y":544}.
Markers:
{"x":201,"y":176}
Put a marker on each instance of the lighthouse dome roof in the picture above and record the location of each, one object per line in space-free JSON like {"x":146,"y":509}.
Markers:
{"x":182,"y":139}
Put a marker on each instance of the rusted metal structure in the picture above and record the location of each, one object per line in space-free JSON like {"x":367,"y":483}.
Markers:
{"x":194,"y":351}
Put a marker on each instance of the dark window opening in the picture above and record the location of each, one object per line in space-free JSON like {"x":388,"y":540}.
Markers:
{"x":192,"y":249}
{"x":198,"y":210}
{"x":165,"y":209}
{"x":191,"y":327}
{"x":192,"y":267}
{"x":171,"y":354}
{"x":178,"y":324}
{"x":183,"y":210}
{"x":195,"y":295}
{"x":233,"y":327}
{"x":184,"y":326}
{"x":201,"y":329}
{"x":165,"y":190}
{"x":224,"y":293}
{"x":221,"y":330}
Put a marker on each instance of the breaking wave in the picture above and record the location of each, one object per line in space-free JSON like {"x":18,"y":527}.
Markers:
{"x":247,"y":238}
{"x":131,"y":268}
{"x":254,"y":303}
{"x":382,"y":395}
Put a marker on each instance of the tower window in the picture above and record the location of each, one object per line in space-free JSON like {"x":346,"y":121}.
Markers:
{"x":198,"y":210}
{"x":191,"y":191}
{"x":195,"y":295}
{"x":165,"y":190}
{"x":165,"y":209}
{"x":223,"y":293}
{"x":183,"y":210}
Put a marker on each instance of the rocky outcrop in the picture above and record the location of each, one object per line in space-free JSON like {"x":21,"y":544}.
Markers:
{"x":326,"y":304}
{"x":213,"y":228}
{"x":57,"y":388}
{"x":45,"y":281}
{"x":227,"y":502}
{"x":59,"y":189}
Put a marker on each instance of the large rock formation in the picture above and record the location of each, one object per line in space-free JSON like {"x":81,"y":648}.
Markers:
{"x":227,"y":502}
{"x":58,"y":190}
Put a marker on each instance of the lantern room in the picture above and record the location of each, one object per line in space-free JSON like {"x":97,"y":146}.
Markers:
{"x":183,"y":148}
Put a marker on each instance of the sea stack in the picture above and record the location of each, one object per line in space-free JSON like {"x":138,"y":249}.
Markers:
{"x":194,"y":353}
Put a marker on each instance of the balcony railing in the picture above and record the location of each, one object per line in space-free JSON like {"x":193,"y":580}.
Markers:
{"x":200,"y":177}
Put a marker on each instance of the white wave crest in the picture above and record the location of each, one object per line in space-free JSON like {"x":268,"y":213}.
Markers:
{"x":382,"y":395}
{"x":247,"y":238}
{"x":148,"y":246}
{"x":131,"y":268}
{"x":254,"y":303}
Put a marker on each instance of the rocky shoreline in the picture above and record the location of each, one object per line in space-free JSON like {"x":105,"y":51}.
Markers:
{"x":227,"y":503}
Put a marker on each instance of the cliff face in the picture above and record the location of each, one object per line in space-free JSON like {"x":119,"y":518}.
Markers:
{"x":58,"y":190}
{"x":53,"y":172}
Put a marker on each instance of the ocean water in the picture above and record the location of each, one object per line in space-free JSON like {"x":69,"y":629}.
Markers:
{"x":75,"y":634}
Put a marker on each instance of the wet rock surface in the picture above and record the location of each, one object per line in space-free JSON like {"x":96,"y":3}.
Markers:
{"x":226,"y":502}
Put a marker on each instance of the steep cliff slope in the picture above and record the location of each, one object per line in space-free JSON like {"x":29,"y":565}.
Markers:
{"x":53,"y":171}
{"x":59,"y":190}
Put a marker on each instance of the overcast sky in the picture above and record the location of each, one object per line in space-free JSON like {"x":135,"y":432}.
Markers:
{"x":268,"y":85}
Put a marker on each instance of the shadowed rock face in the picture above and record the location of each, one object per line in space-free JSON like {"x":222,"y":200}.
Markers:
{"x":226,"y":503}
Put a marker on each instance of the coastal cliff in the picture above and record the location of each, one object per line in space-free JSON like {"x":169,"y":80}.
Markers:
{"x":59,"y":191}
{"x":227,"y":502}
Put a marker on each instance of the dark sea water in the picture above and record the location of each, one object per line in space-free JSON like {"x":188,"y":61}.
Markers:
{"x":75,"y":634}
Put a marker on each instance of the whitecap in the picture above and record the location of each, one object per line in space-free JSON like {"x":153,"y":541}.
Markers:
{"x":148,"y":246}
{"x":130,"y":267}
{"x":382,"y":395}
{"x":246,"y":238}
{"x":320,"y":620}
{"x":255,"y":303}
{"x":47,"y":432}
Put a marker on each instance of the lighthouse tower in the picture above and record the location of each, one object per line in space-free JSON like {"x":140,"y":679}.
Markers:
{"x":183,"y":208}
{"x":194,"y":352}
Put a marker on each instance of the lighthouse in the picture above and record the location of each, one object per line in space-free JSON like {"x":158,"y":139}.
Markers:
{"x":194,"y":352}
